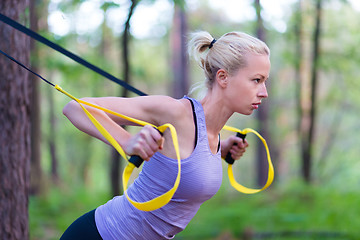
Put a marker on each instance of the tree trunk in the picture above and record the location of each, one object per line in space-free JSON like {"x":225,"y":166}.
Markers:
{"x":309,"y":141}
{"x":115,"y":156}
{"x":52,"y":138}
{"x":298,"y":66}
{"x":36,"y":171}
{"x":15,"y":126}
{"x":263,"y":112}
{"x":179,"y":53}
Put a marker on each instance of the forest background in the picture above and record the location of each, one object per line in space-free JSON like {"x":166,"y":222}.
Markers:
{"x":310,"y":119}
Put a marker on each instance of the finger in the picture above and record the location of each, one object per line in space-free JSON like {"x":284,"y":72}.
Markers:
{"x":142,"y":149}
{"x":246,"y":143}
{"x":158,"y":137}
{"x":243,"y":144}
{"x":235,"y":140}
{"x":149,"y":142}
{"x":148,"y":136}
{"x":161,"y":143}
{"x":241,"y":150}
{"x":238,"y":148}
{"x":155,"y":137}
{"x":236,"y":156}
{"x":236,"y":153}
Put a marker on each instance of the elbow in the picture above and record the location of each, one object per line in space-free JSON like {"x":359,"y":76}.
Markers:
{"x":73,"y":107}
{"x":69,"y":108}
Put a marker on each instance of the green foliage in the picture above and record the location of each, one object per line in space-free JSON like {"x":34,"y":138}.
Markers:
{"x":295,"y":209}
{"x":307,"y":212}
{"x":51,"y":213}
{"x":106,"y":5}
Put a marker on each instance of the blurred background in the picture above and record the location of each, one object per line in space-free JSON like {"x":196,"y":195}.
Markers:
{"x":310,"y":119}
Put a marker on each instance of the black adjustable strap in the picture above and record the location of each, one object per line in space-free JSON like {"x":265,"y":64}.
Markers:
{"x":67,"y":53}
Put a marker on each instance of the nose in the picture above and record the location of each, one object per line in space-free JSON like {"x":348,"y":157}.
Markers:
{"x":263,"y":91}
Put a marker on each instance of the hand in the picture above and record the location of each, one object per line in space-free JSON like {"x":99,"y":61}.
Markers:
{"x":145,"y":143}
{"x":235,"y":145}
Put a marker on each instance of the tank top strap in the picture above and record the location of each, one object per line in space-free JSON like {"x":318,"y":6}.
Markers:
{"x":199,"y":118}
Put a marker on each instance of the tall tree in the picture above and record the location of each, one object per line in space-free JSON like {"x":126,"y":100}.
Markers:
{"x":15,"y":126}
{"x":51,"y":139}
{"x":263,"y":112}
{"x":36,"y":171}
{"x":178,"y":49}
{"x":301,"y":109}
{"x":115,"y":158}
{"x":299,"y":48}
{"x":308,"y":140}
{"x":125,"y":47}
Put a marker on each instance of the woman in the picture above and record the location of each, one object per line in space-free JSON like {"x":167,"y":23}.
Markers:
{"x":236,"y":67}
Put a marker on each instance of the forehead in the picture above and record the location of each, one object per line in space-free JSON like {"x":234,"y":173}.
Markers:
{"x":258,"y":64}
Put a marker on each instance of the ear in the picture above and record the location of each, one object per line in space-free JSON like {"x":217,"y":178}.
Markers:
{"x":222,"y":78}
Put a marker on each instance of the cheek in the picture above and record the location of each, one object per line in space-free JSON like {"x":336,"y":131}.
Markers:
{"x":237,"y":86}
{"x":242,"y":91}
{"x":236,"y":93}
{"x":239,"y":99}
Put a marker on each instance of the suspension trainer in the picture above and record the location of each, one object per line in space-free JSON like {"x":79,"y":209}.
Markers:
{"x":135,"y":161}
{"x":67,"y":53}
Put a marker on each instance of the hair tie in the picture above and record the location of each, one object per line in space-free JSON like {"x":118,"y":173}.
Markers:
{"x":212,"y":43}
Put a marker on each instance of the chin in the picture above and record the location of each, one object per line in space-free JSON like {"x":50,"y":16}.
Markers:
{"x":246,"y":112}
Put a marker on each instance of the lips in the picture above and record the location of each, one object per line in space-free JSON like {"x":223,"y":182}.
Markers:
{"x":256,"y":105}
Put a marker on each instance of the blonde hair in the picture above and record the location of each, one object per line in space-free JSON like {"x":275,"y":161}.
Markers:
{"x":228,"y":52}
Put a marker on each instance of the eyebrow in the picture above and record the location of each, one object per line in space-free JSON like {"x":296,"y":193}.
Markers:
{"x":261,"y":76}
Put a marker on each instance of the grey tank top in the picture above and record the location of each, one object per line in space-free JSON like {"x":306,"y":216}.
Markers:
{"x":201,"y":176}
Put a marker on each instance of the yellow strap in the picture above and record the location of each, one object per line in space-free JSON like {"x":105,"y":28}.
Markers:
{"x":152,"y":204}
{"x":163,"y":199}
{"x":270,"y":178}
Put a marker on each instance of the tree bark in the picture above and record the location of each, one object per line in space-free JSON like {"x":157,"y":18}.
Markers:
{"x":179,"y":53}
{"x":36,"y":171}
{"x":15,"y":142}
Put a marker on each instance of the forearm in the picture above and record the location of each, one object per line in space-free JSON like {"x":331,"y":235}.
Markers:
{"x":80,"y":120}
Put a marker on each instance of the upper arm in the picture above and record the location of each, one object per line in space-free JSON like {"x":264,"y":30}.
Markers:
{"x":156,"y":110}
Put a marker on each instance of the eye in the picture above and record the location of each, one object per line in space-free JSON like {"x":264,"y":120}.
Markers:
{"x":257,"y":80}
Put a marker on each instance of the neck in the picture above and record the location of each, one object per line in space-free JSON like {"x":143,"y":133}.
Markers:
{"x":216,"y":113}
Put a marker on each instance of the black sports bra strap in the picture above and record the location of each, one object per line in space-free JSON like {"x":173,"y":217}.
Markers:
{"x":195,"y":121}
{"x":196,"y":128}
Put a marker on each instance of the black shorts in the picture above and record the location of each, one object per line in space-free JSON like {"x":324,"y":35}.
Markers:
{"x":84,"y":228}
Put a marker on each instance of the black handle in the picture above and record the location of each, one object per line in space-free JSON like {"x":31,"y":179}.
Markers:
{"x":137,"y":160}
{"x":228,"y":158}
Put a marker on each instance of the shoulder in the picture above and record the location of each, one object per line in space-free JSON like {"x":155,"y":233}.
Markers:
{"x":166,"y":109}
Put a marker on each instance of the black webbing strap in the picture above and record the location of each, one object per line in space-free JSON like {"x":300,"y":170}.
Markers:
{"x":22,"y":65}
{"x":67,"y":53}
